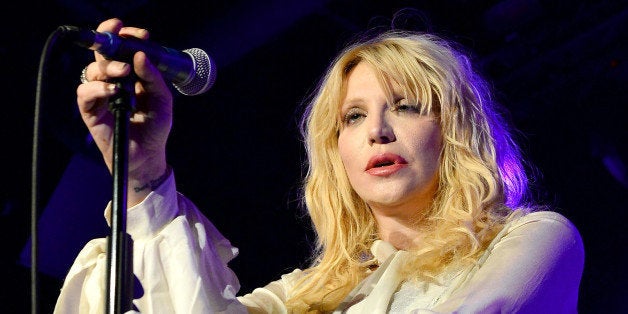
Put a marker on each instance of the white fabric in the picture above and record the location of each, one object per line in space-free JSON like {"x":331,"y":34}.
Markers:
{"x":180,"y":258}
{"x":533,"y":266}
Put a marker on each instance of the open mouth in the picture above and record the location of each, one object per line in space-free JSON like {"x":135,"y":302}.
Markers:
{"x":385,"y":160}
{"x":384,"y":164}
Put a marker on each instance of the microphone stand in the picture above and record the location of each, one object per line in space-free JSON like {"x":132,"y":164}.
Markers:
{"x":120,"y":245}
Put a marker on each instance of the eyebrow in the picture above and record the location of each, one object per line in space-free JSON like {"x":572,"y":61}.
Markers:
{"x":352,"y":102}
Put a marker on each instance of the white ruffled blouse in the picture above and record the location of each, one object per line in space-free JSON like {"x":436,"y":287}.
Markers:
{"x":181,"y":260}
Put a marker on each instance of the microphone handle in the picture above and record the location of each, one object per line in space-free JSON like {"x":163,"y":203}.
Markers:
{"x":176,"y":66}
{"x":191,"y":71}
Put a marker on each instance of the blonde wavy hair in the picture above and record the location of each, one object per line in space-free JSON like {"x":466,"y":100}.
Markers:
{"x":482,"y":180}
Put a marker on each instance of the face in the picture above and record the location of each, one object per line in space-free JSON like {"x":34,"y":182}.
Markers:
{"x":389,"y":150}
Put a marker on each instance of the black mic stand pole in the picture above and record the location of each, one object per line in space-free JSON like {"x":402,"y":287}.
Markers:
{"x":119,"y":297}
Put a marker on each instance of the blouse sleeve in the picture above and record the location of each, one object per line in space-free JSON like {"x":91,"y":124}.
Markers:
{"x":272,"y":297}
{"x":535,"y":268}
{"x":179,"y":258}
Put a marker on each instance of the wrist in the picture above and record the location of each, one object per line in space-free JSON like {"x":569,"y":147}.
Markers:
{"x":152,"y":184}
{"x":143,"y":181}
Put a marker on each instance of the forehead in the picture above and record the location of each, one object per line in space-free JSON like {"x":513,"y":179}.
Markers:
{"x":365,"y":78}
{"x":370,"y":78}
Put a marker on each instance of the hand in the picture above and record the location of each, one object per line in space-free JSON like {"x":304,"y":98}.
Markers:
{"x":149,"y":125}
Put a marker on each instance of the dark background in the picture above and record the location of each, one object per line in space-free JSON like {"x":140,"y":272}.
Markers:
{"x":558,"y":66}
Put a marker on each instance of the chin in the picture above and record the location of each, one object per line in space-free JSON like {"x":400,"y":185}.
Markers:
{"x":411,"y":197}
{"x":385,"y":198}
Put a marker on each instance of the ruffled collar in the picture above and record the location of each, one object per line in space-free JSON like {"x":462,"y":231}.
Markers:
{"x":379,"y":253}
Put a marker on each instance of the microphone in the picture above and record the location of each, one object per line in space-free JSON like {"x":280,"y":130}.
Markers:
{"x":191,"y":71}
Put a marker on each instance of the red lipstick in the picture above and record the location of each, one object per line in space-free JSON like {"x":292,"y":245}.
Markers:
{"x":383,"y":165}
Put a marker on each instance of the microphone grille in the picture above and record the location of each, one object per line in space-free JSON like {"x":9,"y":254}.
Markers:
{"x":204,"y":74}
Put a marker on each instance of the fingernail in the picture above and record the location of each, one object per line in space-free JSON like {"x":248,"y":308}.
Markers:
{"x":112,"y":87}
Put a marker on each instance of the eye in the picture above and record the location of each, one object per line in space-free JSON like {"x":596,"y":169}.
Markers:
{"x":353,"y":116}
{"x":403,"y":105}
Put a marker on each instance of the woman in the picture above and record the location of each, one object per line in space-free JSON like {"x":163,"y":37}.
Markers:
{"x":416,"y":190}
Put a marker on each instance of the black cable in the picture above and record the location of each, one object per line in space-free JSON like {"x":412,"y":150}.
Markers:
{"x":52,"y":38}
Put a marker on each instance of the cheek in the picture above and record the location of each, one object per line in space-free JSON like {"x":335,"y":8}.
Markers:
{"x":435,"y":144}
{"x":344,"y":150}
{"x":430,"y":148}
{"x":349,"y":155}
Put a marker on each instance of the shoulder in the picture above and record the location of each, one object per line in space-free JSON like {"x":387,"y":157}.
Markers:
{"x":533,"y":265}
{"x":544,"y":227}
{"x":543,"y":244}
{"x":542,"y":217}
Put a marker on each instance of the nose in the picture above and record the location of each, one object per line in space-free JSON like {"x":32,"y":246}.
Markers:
{"x":380,"y":130}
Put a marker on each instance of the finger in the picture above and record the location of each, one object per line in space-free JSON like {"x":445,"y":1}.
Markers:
{"x":112,"y":25}
{"x":150,"y":76}
{"x":140,"y":33}
{"x":116,"y":26}
{"x":92,"y":94}
{"x":152,"y":92}
{"x":145,"y":70}
{"x":105,"y":69}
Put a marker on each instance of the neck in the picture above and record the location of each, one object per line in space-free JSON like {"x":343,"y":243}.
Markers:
{"x":403,"y":232}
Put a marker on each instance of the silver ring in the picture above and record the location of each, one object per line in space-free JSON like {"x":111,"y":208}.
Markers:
{"x":83,"y":77}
